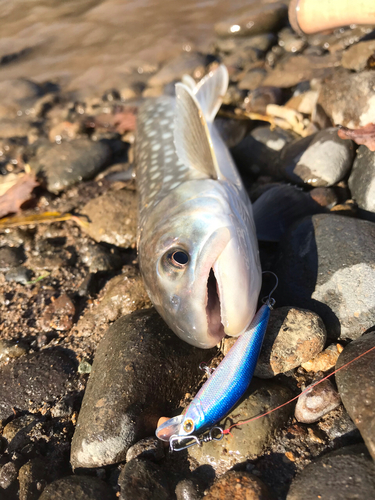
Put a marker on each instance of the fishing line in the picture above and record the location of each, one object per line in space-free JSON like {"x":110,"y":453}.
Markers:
{"x":227,"y":431}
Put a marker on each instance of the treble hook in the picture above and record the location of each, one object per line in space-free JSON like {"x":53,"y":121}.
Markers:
{"x":268,"y":300}
{"x":195,"y":439}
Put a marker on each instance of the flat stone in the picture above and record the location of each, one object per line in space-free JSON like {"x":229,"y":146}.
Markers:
{"x":78,"y":488}
{"x":251,"y":439}
{"x":143,"y":480}
{"x":140,"y":372}
{"x":326,"y":264}
{"x":362,"y":179}
{"x":113,"y":218}
{"x":239,"y":486}
{"x":356,"y":385}
{"x":356,"y":56}
{"x":34,"y":379}
{"x":63,"y":165}
{"x":316,"y":402}
{"x":293,"y":336}
{"x":254,"y":20}
{"x":347,"y":474}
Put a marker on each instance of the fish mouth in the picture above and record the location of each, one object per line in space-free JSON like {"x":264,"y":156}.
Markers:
{"x":213,"y":308}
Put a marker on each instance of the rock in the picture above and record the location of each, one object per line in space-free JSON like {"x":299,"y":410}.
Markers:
{"x":140,"y":372}
{"x":236,"y":44}
{"x":143,"y":480}
{"x":113,"y":218}
{"x":316,"y":402}
{"x":10,"y":257}
{"x":356,"y":385}
{"x":14,"y":127}
{"x":19,"y":274}
{"x":326,"y":197}
{"x":258,"y":100}
{"x":349,"y":98}
{"x":32,"y":477}
{"x":78,"y":488}
{"x":239,"y":486}
{"x":99,"y":258}
{"x":362,"y":179}
{"x":356,"y":56}
{"x":254,"y":20}
{"x":11,"y":349}
{"x":304,"y":102}
{"x":252,"y":79}
{"x":339,"y":428}
{"x":58,"y":315}
{"x":35,"y":378}
{"x":50,"y":254}
{"x":249,"y":440}
{"x":293,"y":336}
{"x":149,"y":448}
{"x":8,"y":474}
{"x":187,"y":490}
{"x":290,"y":41}
{"x":65,"y":164}
{"x":174,"y":70}
{"x":326,"y":161}
{"x":17,"y":432}
{"x":323,"y":267}
{"x":17,"y":95}
{"x":325,"y":360}
{"x":345,"y":474}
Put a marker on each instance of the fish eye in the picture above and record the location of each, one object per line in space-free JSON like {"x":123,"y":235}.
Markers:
{"x":188,"y":425}
{"x":178,"y":258}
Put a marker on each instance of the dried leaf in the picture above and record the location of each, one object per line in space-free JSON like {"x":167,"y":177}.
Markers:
{"x":364,"y":135}
{"x":46,"y":217}
{"x":15,"y":196}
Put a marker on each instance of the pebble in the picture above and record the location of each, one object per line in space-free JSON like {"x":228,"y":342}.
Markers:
{"x":290,"y":41}
{"x":172,"y":71}
{"x":252,"y":79}
{"x":16,"y":433}
{"x":362,"y":179}
{"x":346,"y":474}
{"x":349,"y":98}
{"x":58,"y":315}
{"x":262,"y":42}
{"x":35,"y":378}
{"x":356,"y":56}
{"x":304,"y":102}
{"x":8,"y":474}
{"x":50,"y":254}
{"x":11,"y":349}
{"x":10,"y":257}
{"x":32,"y":478}
{"x":258,"y":100}
{"x":63,"y":165}
{"x":254,"y":20}
{"x":316,"y":402}
{"x":113,"y":218}
{"x":143,"y":480}
{"x":356,"y":385}
{"x":326,"y":160}
{"x":149,"y":448}
{"x":19,"y":274}
{"x":16,"y":95}
{"x":251,"y":439}
{"x":187,"y":490}
{"x":239,"y":485}
{"x":99,"y":258}
{"x":339,"y":428}
{"x":338,"y":285}
{"x":293,"y":336}
{"x":140,"y":372}
{"x":325,"y":360}
{"x":78,"y":488}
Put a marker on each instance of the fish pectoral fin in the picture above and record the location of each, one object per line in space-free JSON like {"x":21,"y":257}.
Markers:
{"x":191,"y":135}
{"x":211,"y":90}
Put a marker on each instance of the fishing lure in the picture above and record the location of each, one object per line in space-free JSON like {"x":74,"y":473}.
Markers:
{"x":223,"y":388}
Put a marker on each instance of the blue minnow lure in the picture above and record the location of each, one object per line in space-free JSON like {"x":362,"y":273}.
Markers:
{"x":222,"y":390}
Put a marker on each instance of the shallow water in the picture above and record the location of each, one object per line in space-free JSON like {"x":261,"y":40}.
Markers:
{"x":99,"y":43}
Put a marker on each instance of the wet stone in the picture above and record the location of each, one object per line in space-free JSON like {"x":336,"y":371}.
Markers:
{"x":35,"y":378}
{"x":19,"y":274}
{"x":11,"y":349}
{"x":239,"y":486}
{"x":362,"y":179}
{"x":187,"y":490}
{"x":346,"y":474}
{"x":293,"y":336}
{"x":326,"y":160}
{"x":356,"y":56}
{"x":356,"y":385}
{"x":65,"y":164}
{"x":127,"y":405}
{"x":251,"y":439}
{"x":143,"y":480}
{"x":316,"y":402}
{"x":10,"y":257}
{"x":149,"y":448}
{"x":113,"y":218}
{"x":78,"y":488}
{"x":326,"y":263}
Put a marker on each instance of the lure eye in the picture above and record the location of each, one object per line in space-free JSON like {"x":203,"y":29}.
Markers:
{"x":188,"y":426}
{"x":178,"y":258}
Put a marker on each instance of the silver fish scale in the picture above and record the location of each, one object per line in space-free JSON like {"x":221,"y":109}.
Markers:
{"x":159,"y":169}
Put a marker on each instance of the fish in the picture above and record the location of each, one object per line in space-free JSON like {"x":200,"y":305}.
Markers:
{"x":223,"y":388}
{"x":197,"y":245}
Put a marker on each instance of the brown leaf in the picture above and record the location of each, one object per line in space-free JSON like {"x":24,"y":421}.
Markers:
{"x":364,"y":135}
{"x":11,"y":201}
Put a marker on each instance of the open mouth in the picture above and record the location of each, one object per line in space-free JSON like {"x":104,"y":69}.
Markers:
{"x":215,"y":326}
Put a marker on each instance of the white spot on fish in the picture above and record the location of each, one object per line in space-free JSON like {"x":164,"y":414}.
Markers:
{"x":168,"y":178}
{"x":174,"y":185}
{"x":164,"y":122}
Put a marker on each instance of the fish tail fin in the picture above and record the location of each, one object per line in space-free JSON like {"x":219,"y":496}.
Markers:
{"x":211,"y":90}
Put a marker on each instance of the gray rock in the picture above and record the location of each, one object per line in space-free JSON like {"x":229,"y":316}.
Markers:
{"x":143,"y":480}
{"x":187,"y":490}
{"x":362,"y":179}
{"x":315,"y":403}
{"x":78,"y":488}
{"x":349,"y":98}
{"x":35,"y":378}
{"x":326,"y":161}
{"x":113,"y":218}
{"x":19,"y":274}
{"x":239,"y":485}
{"x":149,"y":448}
{"x":65,"y":164}
{"x":140,"y":372}
{"x":10,"y":257}
{"x":356,"y":56}
{"x":254,"y":20}
{"x":356,"y":385}
{"x":341,"y":475}
{"x":326,"y":263}
{"x":249,"y":440}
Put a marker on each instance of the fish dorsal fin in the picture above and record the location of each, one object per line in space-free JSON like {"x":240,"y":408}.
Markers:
{"x":191,"y":135}
{"x":211,"y":90}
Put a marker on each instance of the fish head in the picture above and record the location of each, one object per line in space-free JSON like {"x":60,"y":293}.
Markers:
{"x":190,"y":422}
{"x":201,"y":267}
